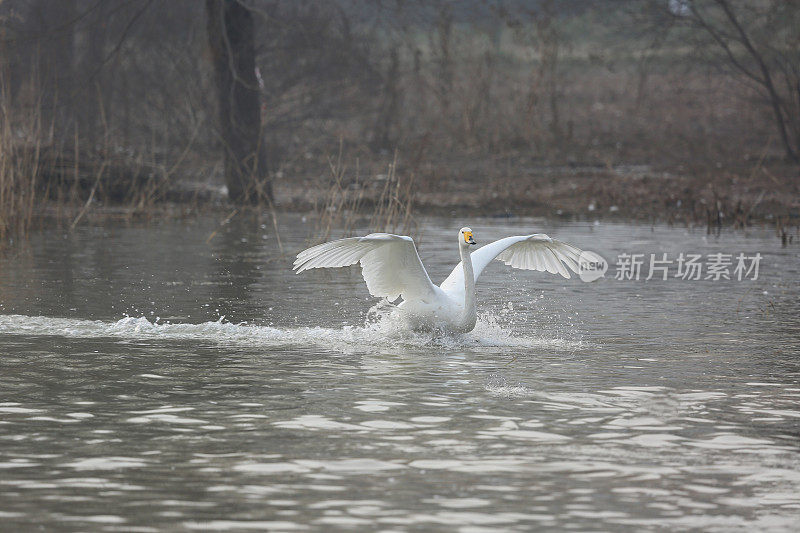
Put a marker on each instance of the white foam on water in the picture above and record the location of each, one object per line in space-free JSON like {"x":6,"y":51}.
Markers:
{"x":316,"y":423}
{"x":106,"y":463}
{"x":165,"y":418}
{"x":729,"y":441}
{"x":430,"y":419}
{"x":533,"y":436}
{"x":459,"y":503}
{"x":271,"y":468}
{"x":18,"y":463}
{"x":96,"y":519}
{"x":654,"y":440}
{"x":238,"y":525}
{"x":508,"y":391}
{"x":386,"y":424}
{"x":376,"y":406}
{"x":351,"y":465}
{"x":97,"y":483}
{"x":378,"y":332}
{"x":12,"y":409}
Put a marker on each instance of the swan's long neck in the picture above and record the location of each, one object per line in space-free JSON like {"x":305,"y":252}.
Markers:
{"x":470,"y":317}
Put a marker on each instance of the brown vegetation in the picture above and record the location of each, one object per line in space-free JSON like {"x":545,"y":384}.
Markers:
{"x":19,"y":170}
{"x":646,"y":109}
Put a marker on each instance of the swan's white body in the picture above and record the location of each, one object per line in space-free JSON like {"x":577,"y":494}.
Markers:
{"x":392,"y":268}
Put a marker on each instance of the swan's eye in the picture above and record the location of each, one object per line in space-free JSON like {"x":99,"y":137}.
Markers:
{"x":467,"y":236}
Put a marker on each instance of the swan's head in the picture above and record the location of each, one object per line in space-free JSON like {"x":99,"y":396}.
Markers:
{"x":465,"y":237}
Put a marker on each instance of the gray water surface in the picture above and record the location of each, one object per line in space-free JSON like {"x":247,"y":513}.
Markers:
{"x":153,"y":379}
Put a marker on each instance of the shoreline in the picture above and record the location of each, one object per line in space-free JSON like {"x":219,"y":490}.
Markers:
{"x":638,"y":194}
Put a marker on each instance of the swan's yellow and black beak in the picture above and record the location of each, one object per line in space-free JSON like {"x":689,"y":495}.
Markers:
{"x":468,"y":238}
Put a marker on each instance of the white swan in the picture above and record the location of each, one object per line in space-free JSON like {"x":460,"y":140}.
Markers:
{"x":392,"y":268}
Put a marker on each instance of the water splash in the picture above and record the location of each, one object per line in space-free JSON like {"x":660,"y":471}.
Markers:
{"x":378,"y":332}
{"x":498,"y":385}
{"x":493,"y":329}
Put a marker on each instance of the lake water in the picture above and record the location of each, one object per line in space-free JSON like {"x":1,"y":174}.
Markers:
{"x":167,"y":377}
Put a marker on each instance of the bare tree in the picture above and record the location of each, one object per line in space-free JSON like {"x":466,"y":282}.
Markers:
{"x":231,"y":37}
{"x":761,"y":42}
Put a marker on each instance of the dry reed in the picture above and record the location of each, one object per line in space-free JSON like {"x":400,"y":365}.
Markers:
{"x":345,"y":205}
{"x":20,"y":167}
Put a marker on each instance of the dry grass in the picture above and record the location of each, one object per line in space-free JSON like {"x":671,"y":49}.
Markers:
{"x":20,"y":167}
{"x":385,"y":202}
{"x":393,"y":210}
{"x":338,"y":209}
{"x":40,"y":179}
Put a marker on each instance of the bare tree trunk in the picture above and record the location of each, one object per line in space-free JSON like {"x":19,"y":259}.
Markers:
{"x":728,"y":37}
{"x":89,"y":104}
{"x":55,"y":59}
{"x":231,"y":38}
{"x":766,"y":80}
{"x":387,"y":115}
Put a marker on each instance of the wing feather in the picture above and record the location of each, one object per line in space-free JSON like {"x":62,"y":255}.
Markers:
{"x":390,"y":264}
{"x":526,"y":252}
{"x":536,"y":252}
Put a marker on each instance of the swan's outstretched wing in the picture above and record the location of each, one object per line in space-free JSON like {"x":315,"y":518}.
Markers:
{"x":390,"y":264}
{"x":528,"y":252}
